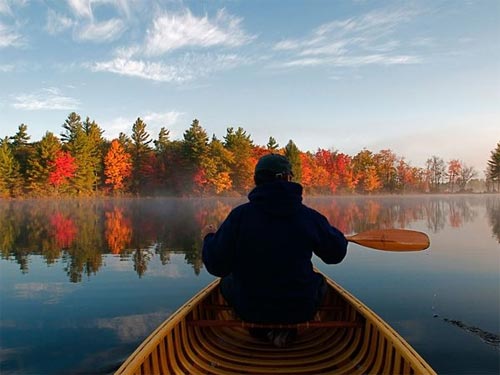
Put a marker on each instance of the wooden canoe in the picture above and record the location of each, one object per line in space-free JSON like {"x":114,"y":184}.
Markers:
{"x":204,"y":337}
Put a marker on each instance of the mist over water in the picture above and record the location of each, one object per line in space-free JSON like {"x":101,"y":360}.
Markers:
{"x":83,"y":282}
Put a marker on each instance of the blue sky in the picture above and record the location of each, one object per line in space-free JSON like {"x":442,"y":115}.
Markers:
{"x":419,"y":77}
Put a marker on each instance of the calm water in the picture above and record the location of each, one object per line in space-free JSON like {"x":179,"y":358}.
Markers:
{"x":84,"y":282}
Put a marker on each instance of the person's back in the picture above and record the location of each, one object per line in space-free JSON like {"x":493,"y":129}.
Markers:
{"x":263,"y":250}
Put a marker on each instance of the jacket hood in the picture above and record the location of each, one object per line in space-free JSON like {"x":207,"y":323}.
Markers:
{"x":280,"y":198}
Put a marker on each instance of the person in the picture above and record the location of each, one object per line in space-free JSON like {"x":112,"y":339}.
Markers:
{"x":263,"y":252}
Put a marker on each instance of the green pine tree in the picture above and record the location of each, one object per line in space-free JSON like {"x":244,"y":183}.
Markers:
{"x":493,"y":168}
{"x":292,"y":152}
{"x":10,"y":181}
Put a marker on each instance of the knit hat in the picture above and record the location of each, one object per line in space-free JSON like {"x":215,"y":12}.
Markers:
{"x":274,"y":163}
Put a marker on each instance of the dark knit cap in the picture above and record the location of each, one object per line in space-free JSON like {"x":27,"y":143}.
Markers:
{"x":273,"y":163}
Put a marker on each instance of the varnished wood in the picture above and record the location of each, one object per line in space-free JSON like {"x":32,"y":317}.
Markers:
{"x":392,"y":239}
{"x":348,"y":339}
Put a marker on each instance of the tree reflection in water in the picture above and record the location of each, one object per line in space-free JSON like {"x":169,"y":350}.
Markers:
{"x":81,"y":232}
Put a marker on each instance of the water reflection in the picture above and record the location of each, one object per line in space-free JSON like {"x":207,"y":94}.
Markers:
{"x":79,"y":233}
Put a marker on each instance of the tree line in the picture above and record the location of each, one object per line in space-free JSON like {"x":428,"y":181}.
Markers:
{"x":81,"y":162}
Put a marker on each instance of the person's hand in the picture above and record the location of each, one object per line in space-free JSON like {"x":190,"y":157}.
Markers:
{"x":210,"y":228}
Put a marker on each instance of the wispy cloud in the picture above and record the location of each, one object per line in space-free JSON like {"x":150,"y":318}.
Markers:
{"x":81,"y":8}
{"x":49,"y":293}
{"x":131,"y":328}
{"x":57,"y":23}
{"x":185,"y":68}
{"x":9,"y":37}
{"x":5,"y":8}
{"x":102,"y":31}
{"x":173,"y":31}
{"x":5,"y":68}
{"x":45,"y":99}
{"x":367,"y":39}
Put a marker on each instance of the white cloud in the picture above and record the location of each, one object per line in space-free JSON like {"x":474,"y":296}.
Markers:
{"x":364,"y":40}
{"x":131,"y":328}
{"x":5,"y":68}
{"x":57,"y":23}
{"x":81,"y":8}
{"x":45,"y":99}
{"x":9,"y":37}
{"x":173,"y":31}
{"x":5,"y":8}
{"x":101,"y":31}
{"x":155,"y":71}
{"x":49,"y":293}
{"x":186,"y":68}
{"x":154,"y":122}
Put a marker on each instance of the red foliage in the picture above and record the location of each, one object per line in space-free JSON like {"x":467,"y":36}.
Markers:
{"x":62,"y":167}
{"x":63,"y":230}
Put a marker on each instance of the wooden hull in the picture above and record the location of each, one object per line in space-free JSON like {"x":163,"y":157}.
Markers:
{"x":204,"y":337}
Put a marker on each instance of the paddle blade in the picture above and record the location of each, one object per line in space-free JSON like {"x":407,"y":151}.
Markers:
{"x":392,"y":239}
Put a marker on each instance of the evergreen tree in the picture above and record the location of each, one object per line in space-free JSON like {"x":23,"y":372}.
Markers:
{"x":22,"y":150}
{"x":493,"y":168}
{"x":71,"y":126}
{"x":10,"y":181}
{"x":242,"y":168}
{"x":272,"y":145}
{"x":162,"y":145}
{"x":141,"y":151}
{"x":97,"y":145}
{"x":292,"y":152}
{"x":163,"y":141}
{"x":194,"y":153}
{"x":39,"y":167}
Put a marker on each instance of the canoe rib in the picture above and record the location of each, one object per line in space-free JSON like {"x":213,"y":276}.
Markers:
{"x":205,"y":337}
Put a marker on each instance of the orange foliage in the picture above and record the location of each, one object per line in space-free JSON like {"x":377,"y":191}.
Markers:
{"x":118,"y":230}
{"x":117,"y":166}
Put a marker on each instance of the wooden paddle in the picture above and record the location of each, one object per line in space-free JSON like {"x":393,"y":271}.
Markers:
{"x":392,"y":239}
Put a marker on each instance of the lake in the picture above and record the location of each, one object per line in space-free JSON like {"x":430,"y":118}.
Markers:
{"x":83,"y":282}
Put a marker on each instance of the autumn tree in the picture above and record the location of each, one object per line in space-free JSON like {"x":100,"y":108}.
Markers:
{"x":214,"y":175}
{"x":454,"y":170}
{"x":493,"y":168}
{"x":62,"y":168}
{"x":325,"y":176}
{"x":117,"y":166}
{"x":385,"y":162}
{"x":364,"y":167}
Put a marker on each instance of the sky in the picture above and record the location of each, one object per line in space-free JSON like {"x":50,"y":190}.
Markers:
{"x":421,"y":78}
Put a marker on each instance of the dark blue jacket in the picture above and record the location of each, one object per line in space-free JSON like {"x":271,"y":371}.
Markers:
{"x":267,"y":245}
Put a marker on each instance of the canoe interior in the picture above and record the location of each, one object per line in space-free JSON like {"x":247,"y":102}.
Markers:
{"x":363,"y":344}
